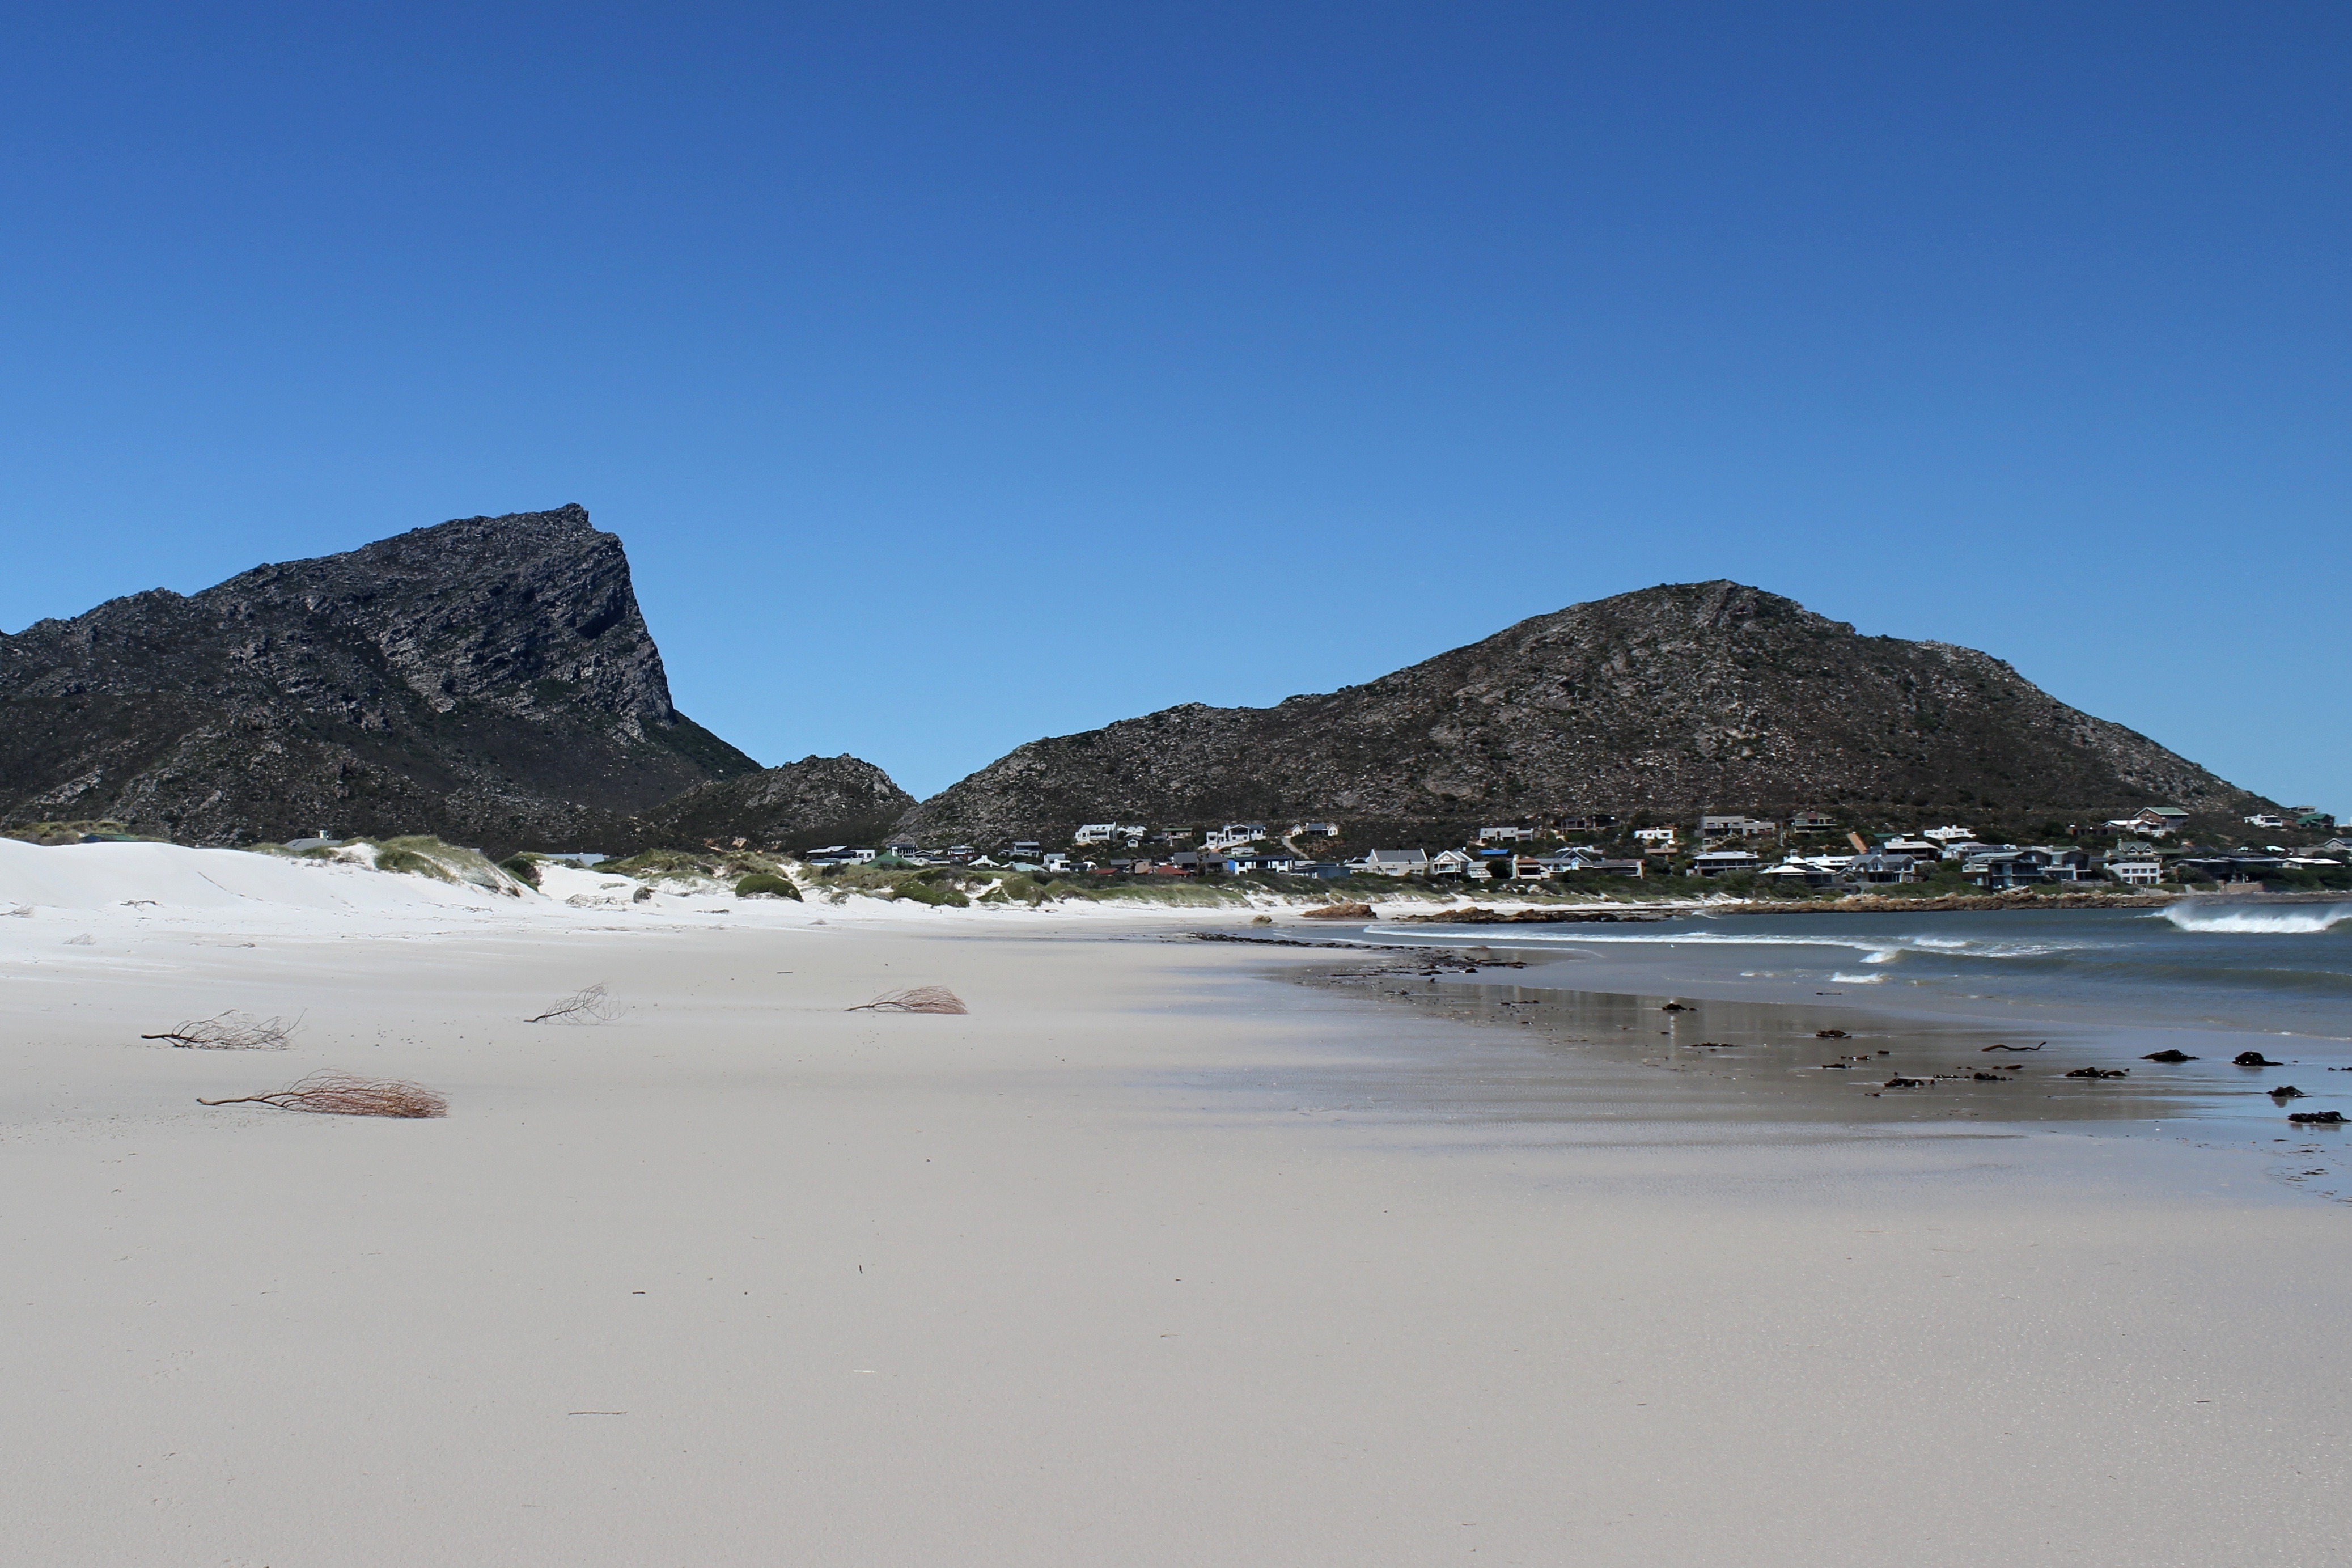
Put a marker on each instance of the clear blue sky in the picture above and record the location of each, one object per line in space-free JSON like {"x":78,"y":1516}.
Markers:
{"x":959,"y":374}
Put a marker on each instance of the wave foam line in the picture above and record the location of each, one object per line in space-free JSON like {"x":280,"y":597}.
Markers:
{"x":2308,"y":920}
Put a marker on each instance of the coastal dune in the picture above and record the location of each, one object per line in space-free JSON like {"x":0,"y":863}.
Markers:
{"x":744,"y":1277}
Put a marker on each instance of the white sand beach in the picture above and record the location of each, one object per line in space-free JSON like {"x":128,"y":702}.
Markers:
{"x":745,"y":1278}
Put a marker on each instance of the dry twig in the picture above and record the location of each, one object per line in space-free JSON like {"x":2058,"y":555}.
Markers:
{"x":592,"y":1004}
{"x":343,"y":1094}
{"x":914,"y":999}
{"x":232,"y":1031}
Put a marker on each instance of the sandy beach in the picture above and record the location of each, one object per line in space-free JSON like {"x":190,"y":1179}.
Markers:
{"x":1104,"y":1272}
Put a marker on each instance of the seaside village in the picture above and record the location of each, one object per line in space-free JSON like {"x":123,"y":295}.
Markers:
{"x":1807,"y":853}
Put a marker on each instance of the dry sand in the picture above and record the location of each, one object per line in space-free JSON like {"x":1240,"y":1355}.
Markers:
{"x":746,"y":1278}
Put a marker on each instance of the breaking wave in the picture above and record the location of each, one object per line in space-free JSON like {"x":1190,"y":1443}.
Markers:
{"x":2305,"y":919}
{"x":1873,"y":949}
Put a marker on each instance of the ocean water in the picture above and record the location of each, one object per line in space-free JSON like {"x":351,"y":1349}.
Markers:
{"x":2276,"y":969}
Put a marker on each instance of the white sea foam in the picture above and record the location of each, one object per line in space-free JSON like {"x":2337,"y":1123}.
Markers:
{"x":2301,"y":919}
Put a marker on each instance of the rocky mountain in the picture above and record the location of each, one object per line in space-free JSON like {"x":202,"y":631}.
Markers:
{"x":490,"y":679}
{"x":1707,"y":697}
{"x":815,"y":801}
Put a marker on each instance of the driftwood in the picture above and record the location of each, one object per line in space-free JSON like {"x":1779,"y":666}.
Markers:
{"x":345,"y":1094}
{"x":2016,"y":1048}
{"x":231,"y":1031}
{"x":914,"y":999}
{"x":590,"y":1004}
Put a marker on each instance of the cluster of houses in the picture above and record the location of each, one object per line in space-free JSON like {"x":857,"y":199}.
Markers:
{"x":1723,"y":846}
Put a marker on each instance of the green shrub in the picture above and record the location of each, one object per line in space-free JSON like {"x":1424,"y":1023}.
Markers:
{"x":521,"y":867}
{"x":392,"y":859}
{"x":768,"y":884}
{"x":933,"y":893}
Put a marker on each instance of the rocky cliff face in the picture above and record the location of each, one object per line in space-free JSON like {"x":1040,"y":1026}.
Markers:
{"x":490,"y":679}
{"x":800,"y":806}
{"x":1674,"y":700}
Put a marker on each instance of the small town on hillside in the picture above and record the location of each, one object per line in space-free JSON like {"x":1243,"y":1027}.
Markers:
{"x":1806,"y":853}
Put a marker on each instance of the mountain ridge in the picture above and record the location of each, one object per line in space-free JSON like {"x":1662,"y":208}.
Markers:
{"x":1674,"y":699}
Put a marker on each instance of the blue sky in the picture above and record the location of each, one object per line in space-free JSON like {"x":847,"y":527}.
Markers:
{"x":961,"y":375}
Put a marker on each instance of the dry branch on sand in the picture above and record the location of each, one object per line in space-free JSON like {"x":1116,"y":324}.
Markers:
{"x":914,"y":999}
{"x":345,"y":1094}
{"x":231,"y":1031}
{"x":591,"y":1004}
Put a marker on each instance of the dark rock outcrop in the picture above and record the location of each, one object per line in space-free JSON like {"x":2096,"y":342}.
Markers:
{"x":815,"y":801}
{"x":1673,"y":701}
{"x":490,"y":679}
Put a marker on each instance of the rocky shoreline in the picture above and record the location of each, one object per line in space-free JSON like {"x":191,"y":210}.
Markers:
{"x":1854,"y":903}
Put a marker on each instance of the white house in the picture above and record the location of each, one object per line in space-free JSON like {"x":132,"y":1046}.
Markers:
{"x":1097,"y":833}
{"x":2266,"y":819}
{"x":1454,"y":863}
{"x":1661,"y":837}
{"x":1948,"y":835}
{"x":1393,"y":863}
{"x":1715,"y":862}
{"x":1235,"y":833}
{"x":1506,"y":835}
{"x":1734,"y":826}
{"x":2140,"y":867}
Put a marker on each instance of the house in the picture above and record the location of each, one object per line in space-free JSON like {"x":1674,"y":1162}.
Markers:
{"x":1813,"y":822}
{"x":2154,"y":819}
{"x":1735,"y":827}
{"x":1261,"y":860}
{"x":1879,"y":868}
{"x":905,"y":849}
{"x":1393,"y":863}
{"x":1715,"y":862}
{"x":1057,"y":861}
{"x":1998,"y":869}
{"x":1948,"y":836}
{"x":2322,"y":821}
{"x":1592,"y":823}
{"x":1800,"y":872}
{"x":2265,"y":819}
{"x":1027,"y":849}
{"x":1095,"y":833}
{"x":839,"y":855}
{"x":1506,"y":835}
{"x":1656,"y":837}
{"x":1235,"y":833}
{"x":1917,"y":849}
{"x":1454,"y":863}
{"x":2240,"y":866}
{"x":2134,"y":863}
{"x":1316,"y":830}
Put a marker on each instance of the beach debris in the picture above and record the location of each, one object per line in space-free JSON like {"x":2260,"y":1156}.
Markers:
{"x":914,"y":999}
{"x":2318,"y":1118}
{"x":2100,"y":1072}
{"x":1837,"y":1067}
{"x":589,"y":1004}
{"x":1337,"y":912}
{"x":1990,"y":1077}
{"x":1260,"y":920}
{"x":1899,"y":1082}
{"x":645,"y":896}
{"x":2016,"y":1048}
{"x":2253,"y":1060}
{"x":1830,"y":1035}
{"x":1675,"y":1007}
{"x":231,"y":1031}
{"x":347,"y":1094}
{"x":2167,"y":1057}
{"x":2288,"y":1091}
